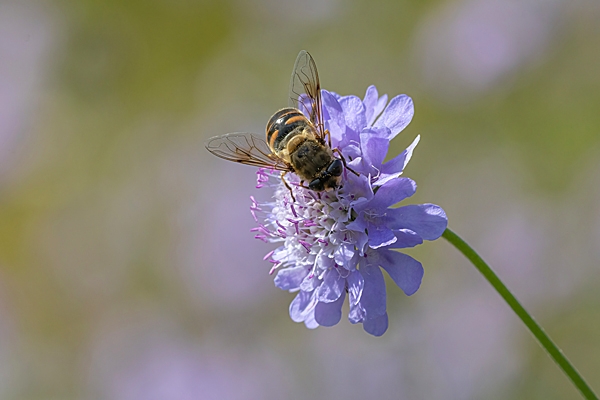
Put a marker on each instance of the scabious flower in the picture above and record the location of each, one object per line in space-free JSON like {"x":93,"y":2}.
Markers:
{"x":335,"y":243}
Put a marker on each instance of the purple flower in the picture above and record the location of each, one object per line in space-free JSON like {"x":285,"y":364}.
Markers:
{"x":334,"y":244}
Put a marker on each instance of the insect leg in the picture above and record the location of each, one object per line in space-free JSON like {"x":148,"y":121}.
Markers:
{"x":302,"y":185}
{"x":329,"y":139}
{"x":336,"y":150}
{"x":287,"y":185}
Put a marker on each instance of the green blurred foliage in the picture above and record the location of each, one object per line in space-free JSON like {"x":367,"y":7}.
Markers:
{"x":140,"y":56}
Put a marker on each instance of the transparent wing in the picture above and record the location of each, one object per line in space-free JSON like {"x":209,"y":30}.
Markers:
{"x":305,"y":90}
{"x":245,"y":148}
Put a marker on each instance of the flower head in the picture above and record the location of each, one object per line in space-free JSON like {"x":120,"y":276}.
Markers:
{"x":335,"y":243}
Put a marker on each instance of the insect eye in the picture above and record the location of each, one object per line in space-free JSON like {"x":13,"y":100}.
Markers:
{"x":316,"y":185}
{"x":335,"y":168}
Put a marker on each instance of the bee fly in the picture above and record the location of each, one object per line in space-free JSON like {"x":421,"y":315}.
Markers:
{"x":294,"y":142}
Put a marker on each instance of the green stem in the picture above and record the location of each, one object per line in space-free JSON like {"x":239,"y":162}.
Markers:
{"x":535,"y":329}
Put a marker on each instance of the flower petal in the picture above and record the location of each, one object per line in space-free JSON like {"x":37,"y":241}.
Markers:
{"x":334,"y":118}
{"x":397,"y":114}
{"x":360,"y":241}
{"x":350,"y":149}
{"x":404,"y":270}
{"x":373,"y":104}
{"x":332,"y":287}
{"x":406,"y":238}
{"x":374,"y":148}
{"x":395,"y":167}
{"x":373,"y":296}
{"x":428,"y":220}
{"x":376,"y":326}
{"x":381,"y":102}
{"x":302,"y":305}
{"x":356,"y":314}
{"x":393,"y":192}
{"x":346,"y":256}
{"x":329,"y":314}
{"x":370,"y":101}
{"x":310,"y":320}
{"x":380,"y":236}
{"x":355,"y":283}
{"x":290,"y":278}
{"x":354,"y":112}
{"x":309,"y":283}
{"x":358,"y":225}
{"x":358,"y":189}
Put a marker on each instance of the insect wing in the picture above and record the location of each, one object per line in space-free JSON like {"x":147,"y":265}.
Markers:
{"x":305,"y":90}
{"x":245,"y":148}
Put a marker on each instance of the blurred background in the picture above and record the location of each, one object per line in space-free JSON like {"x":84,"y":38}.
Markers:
{"x":127,"y":268}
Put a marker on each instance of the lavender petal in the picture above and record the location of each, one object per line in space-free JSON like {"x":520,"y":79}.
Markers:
{"x":406,"y":238}
{"x":376,"y":326}
{"x":428,"y":220}
{"x":370,"y":102}
{"x":394,"y":168}
{"x":336,"y":122}
{"x":302,"y":305}
{"x":329,"y":314}
{"x":380,"y":236}
{"x":354,"y":111}
{"x":332,"y":287}
{"x":373,"y":296}
{"x":393,"y":192}
{"x":397,"y":115}
{"x":290,"y":278}
{"x":404,"y":270}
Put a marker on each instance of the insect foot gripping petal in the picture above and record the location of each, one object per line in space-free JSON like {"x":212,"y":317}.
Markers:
{"x":287,"y":185}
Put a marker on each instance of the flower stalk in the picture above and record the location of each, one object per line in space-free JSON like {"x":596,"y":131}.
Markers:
{"x":536,"y":330}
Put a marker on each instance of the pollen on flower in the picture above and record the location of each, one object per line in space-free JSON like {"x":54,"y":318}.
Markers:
{"x":333,"y":244}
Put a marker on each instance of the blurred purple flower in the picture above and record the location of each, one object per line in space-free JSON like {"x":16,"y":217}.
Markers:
{"x":336,"y":242}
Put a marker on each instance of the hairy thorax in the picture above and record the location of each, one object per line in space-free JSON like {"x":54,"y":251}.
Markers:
{"x":308,"y":156}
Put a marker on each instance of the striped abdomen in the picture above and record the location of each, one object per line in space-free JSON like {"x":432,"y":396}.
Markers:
{"x":284,"y":125}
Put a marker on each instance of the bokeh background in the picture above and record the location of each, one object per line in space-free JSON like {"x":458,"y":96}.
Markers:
{"x":127,"y":268}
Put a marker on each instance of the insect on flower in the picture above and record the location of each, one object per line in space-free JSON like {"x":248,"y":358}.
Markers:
{"x":340,"y":231}
{"x":294,"y":143}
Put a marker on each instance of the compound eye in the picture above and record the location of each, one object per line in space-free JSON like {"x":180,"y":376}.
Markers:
{"x":316,"y":185}
{"x":336,"y":168}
